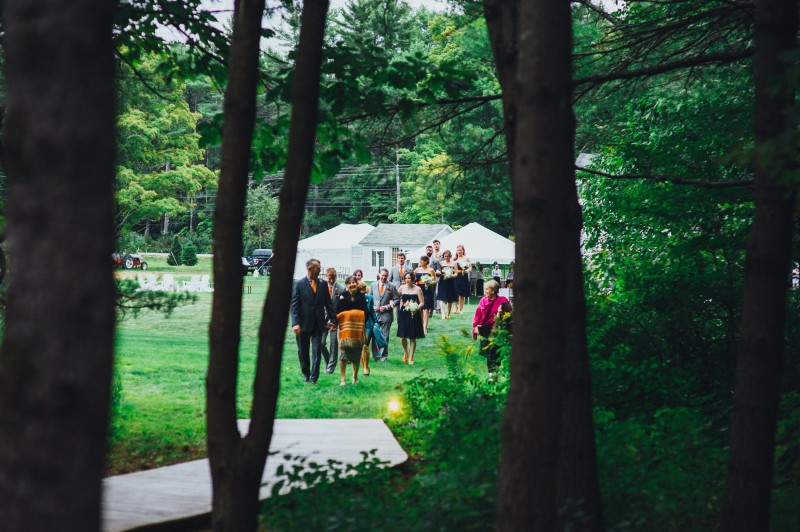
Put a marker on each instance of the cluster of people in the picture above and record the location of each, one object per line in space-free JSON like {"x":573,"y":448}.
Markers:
{"x":351,"y":323}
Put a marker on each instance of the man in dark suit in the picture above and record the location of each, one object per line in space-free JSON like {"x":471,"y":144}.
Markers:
{"x":331,"y":352}
{"x":396,"y":275}
{"x":386,"y":298}
{"x":311,"y":312}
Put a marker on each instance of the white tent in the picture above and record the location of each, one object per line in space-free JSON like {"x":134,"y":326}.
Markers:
{"x":333,"y":248}
{"x":481,"y":244}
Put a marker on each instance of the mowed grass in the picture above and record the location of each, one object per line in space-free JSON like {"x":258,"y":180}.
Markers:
{"x":162,"y":364}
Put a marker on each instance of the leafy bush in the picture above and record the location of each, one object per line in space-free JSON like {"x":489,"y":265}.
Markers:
{"x":189,"y":254}
{"x":174,"y":257}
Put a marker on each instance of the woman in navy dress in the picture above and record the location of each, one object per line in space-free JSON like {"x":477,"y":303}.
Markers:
{"x":428,"y":290}
{"x":463,"y":267}
{"x":447,"y":284}
{"x":409,"y":324}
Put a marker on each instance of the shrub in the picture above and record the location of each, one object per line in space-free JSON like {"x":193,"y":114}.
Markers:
{"x":189,"y":254}
{"x":174,"y":257}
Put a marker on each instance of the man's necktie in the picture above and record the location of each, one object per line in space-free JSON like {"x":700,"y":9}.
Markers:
{"x":381,"y":288}
{"x":330,"y":290}
{"x":314,"y":285}
{"x":401,"y":272}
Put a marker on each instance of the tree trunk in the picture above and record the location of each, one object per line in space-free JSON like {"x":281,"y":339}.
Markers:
{"x":547,"y":224}
{"x":237,"y":464}
{"x":165,"y":227}
{"x":55,"y":363}
{"x":537,"y":93}
{"x":746,"y":504}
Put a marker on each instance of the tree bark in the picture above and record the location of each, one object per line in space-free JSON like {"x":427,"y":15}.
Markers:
{"x":55,"y":363}
{"x":535,"y":474}
{"x":748,"y":489}
{"x":237,"y":463}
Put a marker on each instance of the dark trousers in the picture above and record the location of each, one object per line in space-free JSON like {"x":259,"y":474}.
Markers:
{"x":310,"y":372}
{"x":386,"y":328}
{"x":330,"y":352}
{"x":491,"y":354}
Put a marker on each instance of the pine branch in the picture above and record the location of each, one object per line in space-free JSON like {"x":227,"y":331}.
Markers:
{"x":667,"y":179}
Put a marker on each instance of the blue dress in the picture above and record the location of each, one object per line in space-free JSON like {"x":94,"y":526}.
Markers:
{"x":409,"y":326}
{"x":447,"y":289}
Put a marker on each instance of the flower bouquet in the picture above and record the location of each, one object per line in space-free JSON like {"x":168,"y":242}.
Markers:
{"x":412,"y":307}
{"x":464,"y":265}
{"x":428,"y":280}
{"x":448,"y":273}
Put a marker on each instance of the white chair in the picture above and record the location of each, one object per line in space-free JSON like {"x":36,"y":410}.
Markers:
{"x":205,"y":283}
{"x":152,"y":282}
{"x":193,"y":285}
{"x":169,"y":283}
{"x":143,"y":284}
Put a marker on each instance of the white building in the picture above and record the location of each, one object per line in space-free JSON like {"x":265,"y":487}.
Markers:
{"x":380,"y":247}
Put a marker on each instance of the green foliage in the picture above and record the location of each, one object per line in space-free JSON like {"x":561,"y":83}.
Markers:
{"x":131,"y":301}
{"x":174,"y":257}
{"x":189,"y":254}
{"x":261,"y":218}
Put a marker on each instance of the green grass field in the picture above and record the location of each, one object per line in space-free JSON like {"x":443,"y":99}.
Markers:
{"x":162,"y":364}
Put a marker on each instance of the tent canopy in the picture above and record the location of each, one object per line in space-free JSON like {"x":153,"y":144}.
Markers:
{"x":481,"y":244}
{"x":333,"y":248}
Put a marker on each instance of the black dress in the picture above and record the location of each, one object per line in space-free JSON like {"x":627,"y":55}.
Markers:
{"x":447,"y":289}
{"x":428,"y":293}
{"x":408,"y":325}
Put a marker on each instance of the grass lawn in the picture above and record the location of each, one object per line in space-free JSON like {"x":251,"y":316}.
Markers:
{"x":162,"y":364}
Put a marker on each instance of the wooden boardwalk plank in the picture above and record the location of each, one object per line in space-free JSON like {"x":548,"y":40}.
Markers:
{"x":183,"y":491}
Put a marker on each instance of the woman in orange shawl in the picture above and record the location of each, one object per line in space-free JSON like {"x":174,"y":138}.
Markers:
{"x":351,"y":312}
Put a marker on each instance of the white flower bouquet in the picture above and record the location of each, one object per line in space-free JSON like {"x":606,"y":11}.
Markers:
{"x":412,"y":307}
{"x":428,"y":280}
{"x":448,"y":273}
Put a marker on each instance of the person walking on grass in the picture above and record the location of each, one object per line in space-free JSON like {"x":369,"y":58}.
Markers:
{"x":484,"y":323}
{"x":351,"y":316}
{"x":385,"y":298}
{"x":409,"y":316}
{"x":330,"y":347}
{"x":397,"y":272}
{"x":311,"y":312}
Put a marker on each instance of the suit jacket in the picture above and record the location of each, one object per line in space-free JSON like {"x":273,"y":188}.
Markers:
{"x":390,"y":294}
{"x":311,"y":309}
{"x":338,"y":288}
{"x":394,"y":274}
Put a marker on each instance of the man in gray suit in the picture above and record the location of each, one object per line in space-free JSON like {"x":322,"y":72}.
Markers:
{"x":396,"y":275}
{"x":330,"y":352}
{"x":386,"y":298}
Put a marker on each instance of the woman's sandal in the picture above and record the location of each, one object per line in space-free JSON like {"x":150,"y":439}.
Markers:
{"x":343,"y":383}
{"x":366,"y":373}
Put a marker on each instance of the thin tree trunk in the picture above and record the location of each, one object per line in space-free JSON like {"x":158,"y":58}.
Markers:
{"x":237,"y":464}
{"x":55,"y":363}
{"x":748,"y":490}
{"x":547,"y":225}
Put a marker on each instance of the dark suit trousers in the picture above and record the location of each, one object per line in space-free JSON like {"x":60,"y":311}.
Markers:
{"x":331,"y":352}
{"x":310,"y":371}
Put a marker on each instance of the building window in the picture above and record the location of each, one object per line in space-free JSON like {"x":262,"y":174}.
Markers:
{"x":377,"y":258}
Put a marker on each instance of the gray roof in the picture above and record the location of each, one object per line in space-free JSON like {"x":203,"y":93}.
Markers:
{"x":406,"y":235}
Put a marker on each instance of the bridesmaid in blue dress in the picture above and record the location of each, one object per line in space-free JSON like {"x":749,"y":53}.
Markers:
{"x":409,"y":324}
{"x":447,"y":284}
{"x":463,"y":267}
{"x":427,"y":290}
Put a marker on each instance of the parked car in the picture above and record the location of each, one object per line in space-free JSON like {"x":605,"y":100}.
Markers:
{"x":261,"y":261}
{"x":128,"y":261}
{"x":246,"y":267}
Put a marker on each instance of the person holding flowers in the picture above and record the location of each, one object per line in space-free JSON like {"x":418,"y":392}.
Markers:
{"x":463,"y":267}
{"x":409,"y":316}
{"x":446,"y":292}
{"x":426,"y":280}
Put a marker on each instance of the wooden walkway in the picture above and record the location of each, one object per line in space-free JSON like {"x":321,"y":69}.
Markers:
{"x":181,"y":493}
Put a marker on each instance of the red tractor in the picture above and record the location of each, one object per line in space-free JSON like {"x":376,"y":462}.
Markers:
{"x":128,"y":261}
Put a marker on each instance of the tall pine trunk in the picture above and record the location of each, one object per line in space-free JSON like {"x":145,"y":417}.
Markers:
{"x":237,"y":463}
{"x":746,"y":504}
{"x":548,"y":458}
{"x":55,"y":363}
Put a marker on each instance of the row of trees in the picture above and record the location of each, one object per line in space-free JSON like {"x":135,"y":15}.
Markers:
{"x":656,"y":90}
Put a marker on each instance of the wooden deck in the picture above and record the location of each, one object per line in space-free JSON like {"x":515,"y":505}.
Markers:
{"x":169,"y":496}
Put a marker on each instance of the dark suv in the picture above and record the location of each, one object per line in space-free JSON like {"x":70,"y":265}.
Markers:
{"x":261,"y":261}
